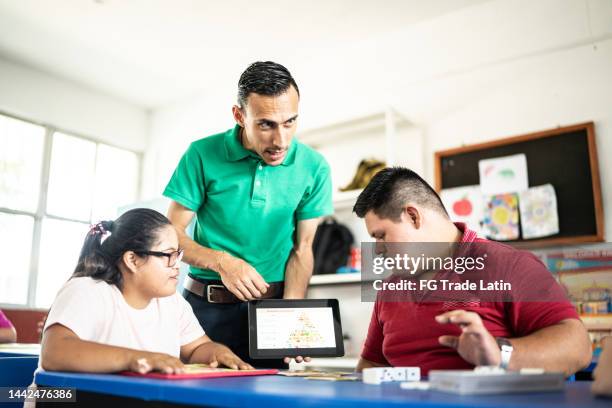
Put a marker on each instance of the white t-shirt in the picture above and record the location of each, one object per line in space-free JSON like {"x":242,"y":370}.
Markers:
{"x":96,"y":311}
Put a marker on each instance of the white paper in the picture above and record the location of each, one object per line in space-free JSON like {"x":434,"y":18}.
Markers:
{"x":465,"y":204}
{"x":539,"y":217}
{"x":501,"y":175}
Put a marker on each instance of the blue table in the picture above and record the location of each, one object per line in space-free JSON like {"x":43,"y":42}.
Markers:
{"x":17,"y":371}
{"x":277,"y":391}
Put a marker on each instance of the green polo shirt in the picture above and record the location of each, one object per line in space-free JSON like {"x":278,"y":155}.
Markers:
{"x":245,"y":207}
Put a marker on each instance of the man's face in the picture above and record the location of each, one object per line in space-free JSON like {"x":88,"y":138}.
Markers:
{"x":408,"y":236}
{"x":408,"y":229}
{"x":269,"y":124}
{"x":387,"y":230}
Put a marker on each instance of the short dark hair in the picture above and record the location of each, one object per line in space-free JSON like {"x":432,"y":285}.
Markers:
{"x":136,"y":230}
{"x":264,"y":78}
{"x":389,"y":191}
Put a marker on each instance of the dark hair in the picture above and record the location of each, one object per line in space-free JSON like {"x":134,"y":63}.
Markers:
{"x":136,"y":230}
{"x":389,"y":191}
{"x":264,"y":78}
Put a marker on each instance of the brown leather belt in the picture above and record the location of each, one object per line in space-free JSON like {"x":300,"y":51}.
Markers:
{"x":215,"y":292}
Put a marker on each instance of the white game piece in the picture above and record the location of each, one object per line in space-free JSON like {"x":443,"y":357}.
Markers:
{"x":378,"y":375}
{"x":491,"y":381}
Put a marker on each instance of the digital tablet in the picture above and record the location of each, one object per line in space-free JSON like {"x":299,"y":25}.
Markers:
{"x":290,"y":328}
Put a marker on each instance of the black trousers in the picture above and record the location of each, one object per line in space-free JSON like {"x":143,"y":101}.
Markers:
{"x":228,"y":324}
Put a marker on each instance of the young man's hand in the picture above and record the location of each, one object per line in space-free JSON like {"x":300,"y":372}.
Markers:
{"x":475,"y":344}
{"x":602,"y":375}
{"x":240,"y":278}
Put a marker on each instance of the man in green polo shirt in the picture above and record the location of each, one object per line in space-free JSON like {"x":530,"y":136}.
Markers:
{"x":257,"y":195}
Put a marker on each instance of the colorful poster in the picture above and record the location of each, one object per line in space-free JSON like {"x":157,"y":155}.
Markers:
{"x":580,"y":259}
{"x":465,"y":204}
{"x":501,"y":217}
{"x":503,"y":174}
{"x":585,"y":287}
{"x":539,"y":216}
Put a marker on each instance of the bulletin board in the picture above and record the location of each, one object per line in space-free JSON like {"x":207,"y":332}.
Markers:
{"x":566,"y":157}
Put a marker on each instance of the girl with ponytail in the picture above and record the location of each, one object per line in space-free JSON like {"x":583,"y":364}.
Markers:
{"x":120,"y":309}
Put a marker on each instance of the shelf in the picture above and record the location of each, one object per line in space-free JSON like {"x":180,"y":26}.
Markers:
{"x":350,"y":129}
{"x":597,"y":322}
{"x":598,"y":327}
{"x":343,"y":130}
{"x":335,"y":278}
{"x":345,"y":200}
{"x":385,"y":135}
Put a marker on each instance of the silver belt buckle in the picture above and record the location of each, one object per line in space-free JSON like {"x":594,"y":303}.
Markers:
{"x":208,"y":292}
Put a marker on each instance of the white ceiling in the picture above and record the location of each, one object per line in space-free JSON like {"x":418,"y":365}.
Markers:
{"x":152,"y":52}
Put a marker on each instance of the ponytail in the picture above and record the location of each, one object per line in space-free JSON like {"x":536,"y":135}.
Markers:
{"x":95,"y":262}
{"x":107,"y":241}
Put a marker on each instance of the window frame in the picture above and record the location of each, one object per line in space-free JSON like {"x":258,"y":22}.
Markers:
{"x":41,"y":208}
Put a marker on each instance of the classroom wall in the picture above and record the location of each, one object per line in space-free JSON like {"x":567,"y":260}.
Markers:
{"x":38,"y":96}
{"x":498,"y":69}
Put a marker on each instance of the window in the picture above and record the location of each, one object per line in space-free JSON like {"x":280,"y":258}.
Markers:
{"x":20,"y":163}
{"x":73,"y":162}
{"x":16,"y":244}
{"x":109,"y":195}
{"x":61,"y":243}
{"x":53,"y":185}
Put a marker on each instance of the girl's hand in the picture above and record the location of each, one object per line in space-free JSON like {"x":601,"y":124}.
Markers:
{"x":146,"y":362}
{"x":223,"y":356}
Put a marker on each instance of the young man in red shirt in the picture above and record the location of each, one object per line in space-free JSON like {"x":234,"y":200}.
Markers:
{"x":400,"y":207}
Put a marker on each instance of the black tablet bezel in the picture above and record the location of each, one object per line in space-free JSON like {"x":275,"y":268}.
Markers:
{"x":256,"y":353}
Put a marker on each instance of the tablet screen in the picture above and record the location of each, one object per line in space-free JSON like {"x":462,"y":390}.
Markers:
{"x":295,"y":328}
{"x":285,"y":328}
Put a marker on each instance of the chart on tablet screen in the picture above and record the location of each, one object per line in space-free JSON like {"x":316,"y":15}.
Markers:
{"x":286,"y":328}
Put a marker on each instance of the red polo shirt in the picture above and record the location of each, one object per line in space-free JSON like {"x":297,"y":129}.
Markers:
{"x":406,"y":333}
